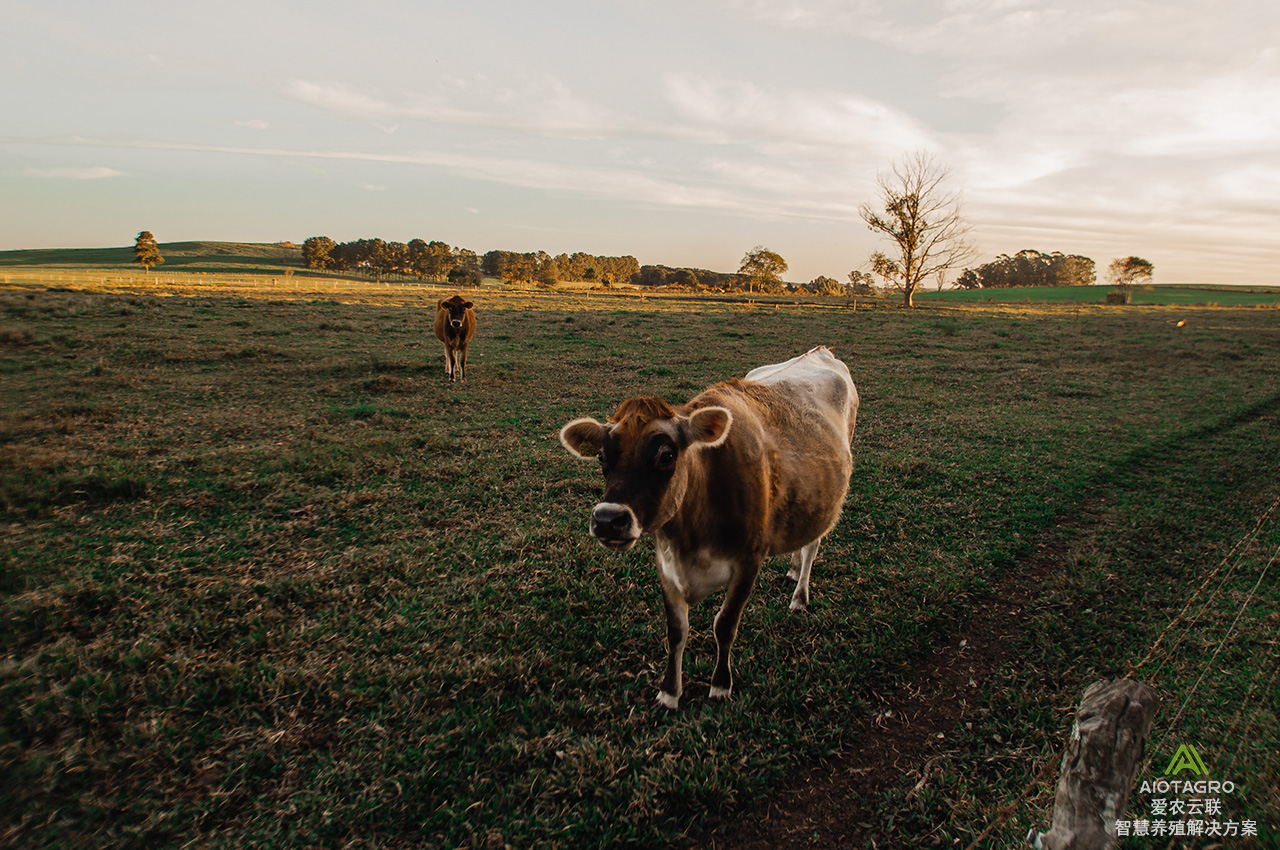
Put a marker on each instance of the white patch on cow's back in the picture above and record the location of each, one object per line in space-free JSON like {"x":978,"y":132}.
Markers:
{"x":819,"y":382}
{"x":816,"y":364}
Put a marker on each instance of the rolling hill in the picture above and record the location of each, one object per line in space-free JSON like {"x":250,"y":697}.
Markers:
{"x":189,"y":256}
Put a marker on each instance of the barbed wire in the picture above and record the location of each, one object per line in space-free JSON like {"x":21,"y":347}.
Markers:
{"x":1212,"y":660}
{"x":1181,"y":616}
{"x":1007,"y":811}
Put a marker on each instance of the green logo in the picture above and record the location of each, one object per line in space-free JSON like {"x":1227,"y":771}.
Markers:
{"x":1186,"y":758}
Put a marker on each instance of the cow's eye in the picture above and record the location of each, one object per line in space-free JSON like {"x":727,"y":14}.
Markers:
{"x":665,"y":458}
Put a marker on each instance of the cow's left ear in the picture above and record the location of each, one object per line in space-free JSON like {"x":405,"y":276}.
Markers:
{"x":707,"y":427}
{"x":467,"y":305}
{"x":583,"y":437}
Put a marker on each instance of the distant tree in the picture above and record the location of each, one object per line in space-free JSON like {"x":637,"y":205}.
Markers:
{"x":823,"y":285}
{"x":923,"y":221}
{"x":440,"y":259}
{"x":861,"y":283}
{"x":394,"y":259}
{"x":465,"y":257}
{"x":493,"y":263}
{"x":146,"y":252}
{"x":618,"y":269}
{"x":763,"y":268}
{"x":1130,"y":271}
{"x":461,"y":275}
{"x":651,"y":276}
{"x":1075,"y":270}
{"x":1029,"y":268}
{"x":685,"y":278}
{"x":547,"y":273}
{"x":315,"y":252}
{"x":416,"y":258}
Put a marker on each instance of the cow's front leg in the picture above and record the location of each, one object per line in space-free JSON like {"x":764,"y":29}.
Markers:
{"x":462,"y":362}
{"x":726,"y":628}
{"x":677,"y":637}
{"x":448,"y":362}
{"x":801,"y":565}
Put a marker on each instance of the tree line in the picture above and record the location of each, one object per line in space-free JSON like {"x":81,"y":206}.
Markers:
{"x":1030,"y":268}
{"x":416,"y":258}
{"x":540,"y":267}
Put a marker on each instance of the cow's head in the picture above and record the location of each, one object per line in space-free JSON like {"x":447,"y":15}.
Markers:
{"x":645,"y":452}
{"x":457,"y":308}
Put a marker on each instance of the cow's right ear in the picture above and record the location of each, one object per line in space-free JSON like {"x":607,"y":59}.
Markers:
{"x":440,"y":304}
{"x":583,"y":437}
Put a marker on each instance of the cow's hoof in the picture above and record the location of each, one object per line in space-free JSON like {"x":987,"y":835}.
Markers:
{"x":720,"y":694}
{"x":667,"y":701}
{"x":797,"y":605}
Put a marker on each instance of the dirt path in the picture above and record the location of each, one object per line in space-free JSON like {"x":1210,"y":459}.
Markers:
{"x":822,"y":806}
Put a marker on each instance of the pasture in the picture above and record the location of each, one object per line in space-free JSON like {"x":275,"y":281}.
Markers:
{"x":1175,"y":295}
{"x":269,"y":580}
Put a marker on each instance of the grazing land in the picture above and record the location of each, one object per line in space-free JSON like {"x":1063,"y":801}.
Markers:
{"x":1192,"y":295}
{"x":269,"y":580}
{"x":209,"y":257}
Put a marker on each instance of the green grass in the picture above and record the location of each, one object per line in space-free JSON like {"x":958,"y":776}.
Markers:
{"x":269,"y":580}
{"x":1173,"y":295}
{"x":187,"y":256}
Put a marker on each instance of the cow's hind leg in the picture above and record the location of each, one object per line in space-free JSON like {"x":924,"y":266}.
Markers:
{"x":726,"y":628}
{"x":801,"y":565}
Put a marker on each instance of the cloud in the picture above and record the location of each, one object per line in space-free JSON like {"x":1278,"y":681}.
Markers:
{"x":540,"y":106}
{"x":743,"y":143}
{"x":722,"y":111}
{"x":91,"y":173}
{"x":711,"y":191}
{"x":252,"y":124}
{"x":1123,"y":122}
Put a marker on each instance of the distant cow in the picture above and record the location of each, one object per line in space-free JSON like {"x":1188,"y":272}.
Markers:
{"x":748,"y":469}
{"x":455,"y":326}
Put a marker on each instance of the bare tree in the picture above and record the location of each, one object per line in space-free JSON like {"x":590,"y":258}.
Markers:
{"x":923,"y":219}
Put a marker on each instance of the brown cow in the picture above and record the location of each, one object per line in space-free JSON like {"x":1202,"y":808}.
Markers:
{"x":455,"y":326}
{"x":748,"y":469}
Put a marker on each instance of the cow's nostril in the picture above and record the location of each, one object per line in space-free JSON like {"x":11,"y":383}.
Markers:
{"x":611,"y":520}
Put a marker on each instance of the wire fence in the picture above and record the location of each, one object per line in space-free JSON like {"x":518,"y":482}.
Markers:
{"x":263,"y":285}
{"x":1161,"y":657}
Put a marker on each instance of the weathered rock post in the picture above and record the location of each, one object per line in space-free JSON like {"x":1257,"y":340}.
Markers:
{"x":1098,"y":768}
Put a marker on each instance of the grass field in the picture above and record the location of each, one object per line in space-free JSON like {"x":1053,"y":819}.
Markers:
{"x":185,"y":256}
{"x":1171,"y":295}
{"x":269,"y":581}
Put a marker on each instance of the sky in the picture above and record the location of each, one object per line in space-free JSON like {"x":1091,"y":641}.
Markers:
{"x":682,"y":133}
